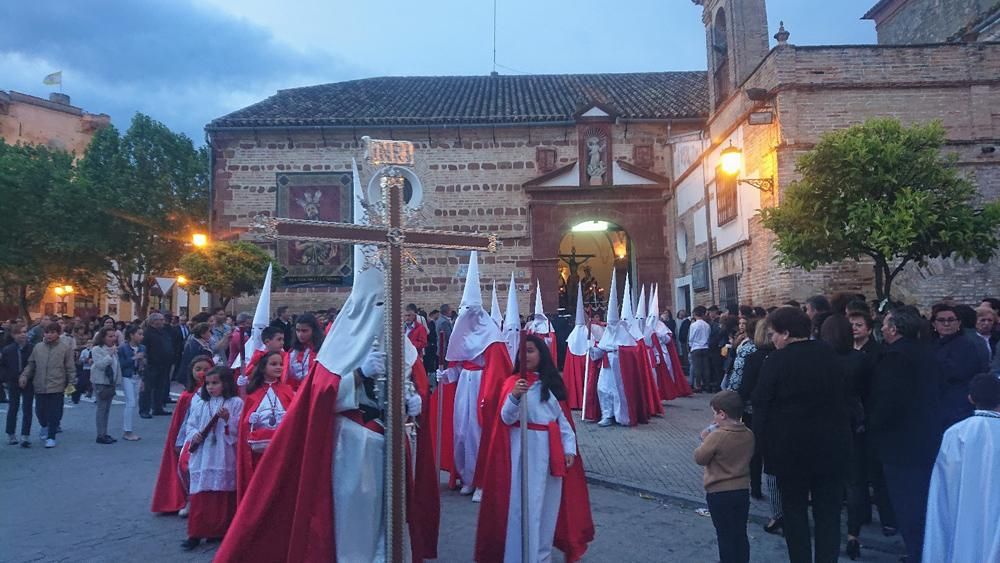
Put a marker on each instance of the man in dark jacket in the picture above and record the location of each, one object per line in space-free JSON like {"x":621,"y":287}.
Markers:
{"x":959,"y":359}
{"x":284,"y":323}
{"x":904,"y":421}
{"x":160,"y":356}
{"x":801,"y":421}
{"x":13,"y":359}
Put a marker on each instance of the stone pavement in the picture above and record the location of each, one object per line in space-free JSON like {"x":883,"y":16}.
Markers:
{"x":655,"y":460}
{"x":87,"y":502}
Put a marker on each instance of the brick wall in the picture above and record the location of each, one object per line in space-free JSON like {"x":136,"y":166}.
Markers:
{"x":929,"y":21}
{"x":820,"y":89}
{"x":471,"y":179}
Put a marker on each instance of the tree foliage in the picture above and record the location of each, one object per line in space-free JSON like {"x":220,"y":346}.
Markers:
{"x":37,"y":248}
{"x":147,"y":192}
{"x":229,"y":269}
{"x":883,"y":191}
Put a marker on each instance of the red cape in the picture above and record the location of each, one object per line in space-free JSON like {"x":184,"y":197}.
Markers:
{"x":245,"y":463}
{"x":592,"y":406}
{"x":291,"y":518}
{"x":447,"y":392}
{"x":170,"y":494}
{"x":286,"y":373}
{"x":650,"y":395}
{"x":418,"y":337}
{"x":496,"y":369}
{"x":664,"y":383}
{"x":680,"y":379}
{"x":573,"y":377}
{"x":633,"y":368}
{"x":424,"y":497}
{"x":574,"y":526}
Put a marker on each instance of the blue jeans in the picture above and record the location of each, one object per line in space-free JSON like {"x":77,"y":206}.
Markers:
{"x":20,"y":399}
{"x":701,"y":368}
{"x":729,"y":510}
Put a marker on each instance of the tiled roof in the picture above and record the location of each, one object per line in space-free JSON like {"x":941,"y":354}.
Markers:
{"x":440,"y":100}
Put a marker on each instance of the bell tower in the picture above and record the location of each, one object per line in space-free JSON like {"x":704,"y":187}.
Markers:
{"x":736,"y":38}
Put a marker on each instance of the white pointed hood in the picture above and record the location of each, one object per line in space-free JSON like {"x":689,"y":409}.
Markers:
{"x":616,"y":334}
{"x":495,"y":307}
{"x":578,"y":340}
{"x":512,"y":321}
{"x":539,"y":323}
{"x":640,"y":312}
{"x":261,"y":319}
{"x":663,"y":332}
{"x":474,"y":329}
{"x":360,"y":323}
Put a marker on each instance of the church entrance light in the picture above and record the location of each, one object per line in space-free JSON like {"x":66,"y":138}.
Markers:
{"x":590,"y":227}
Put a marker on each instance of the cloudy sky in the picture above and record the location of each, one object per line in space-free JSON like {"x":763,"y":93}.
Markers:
{"x":185,"y":62}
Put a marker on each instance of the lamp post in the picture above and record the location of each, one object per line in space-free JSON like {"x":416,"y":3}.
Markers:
{"x":199,"y":240}
{"x":731,"y":162}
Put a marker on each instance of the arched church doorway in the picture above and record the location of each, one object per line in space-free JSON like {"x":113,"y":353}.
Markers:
{"x":588,"y":253}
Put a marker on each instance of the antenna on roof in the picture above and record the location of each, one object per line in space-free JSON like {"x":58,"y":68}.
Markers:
{"x":494,"y":73}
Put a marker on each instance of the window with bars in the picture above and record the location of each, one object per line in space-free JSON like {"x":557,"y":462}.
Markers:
{"x":725,"y":196}
{"x":729,"y":292}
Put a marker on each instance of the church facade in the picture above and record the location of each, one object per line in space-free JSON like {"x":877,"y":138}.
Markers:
{"x":582,"y":174}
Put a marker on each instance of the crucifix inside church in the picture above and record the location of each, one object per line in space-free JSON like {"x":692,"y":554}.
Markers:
{"x":573,"y":262}
{"x":394,"y":240}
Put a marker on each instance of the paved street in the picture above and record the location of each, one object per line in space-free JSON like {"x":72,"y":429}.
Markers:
{"x":88,"y":502}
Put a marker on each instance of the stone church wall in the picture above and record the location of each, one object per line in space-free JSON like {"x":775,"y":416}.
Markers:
{"x":820,"y":89}
{"x":471,"y":180}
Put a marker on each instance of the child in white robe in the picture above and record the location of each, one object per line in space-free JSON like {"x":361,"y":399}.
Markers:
{"x":211,"y":430}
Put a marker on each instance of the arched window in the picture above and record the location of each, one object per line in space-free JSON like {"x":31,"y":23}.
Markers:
{"x":720,"y":56}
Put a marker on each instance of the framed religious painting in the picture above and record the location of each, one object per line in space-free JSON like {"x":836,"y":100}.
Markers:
{"x":317,"y":196}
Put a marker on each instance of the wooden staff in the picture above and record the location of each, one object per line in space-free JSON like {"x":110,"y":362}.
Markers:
{"x":586,"y":373}
{"x":439,"y":391}
{"x":204,"y":431}
{"x":523,"y":407}
{"x":243,"y":369}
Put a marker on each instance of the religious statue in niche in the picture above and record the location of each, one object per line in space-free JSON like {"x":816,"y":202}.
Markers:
{"x":595,"y":156}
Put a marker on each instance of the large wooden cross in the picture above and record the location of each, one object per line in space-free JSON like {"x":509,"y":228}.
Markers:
{"x":392,"y":236}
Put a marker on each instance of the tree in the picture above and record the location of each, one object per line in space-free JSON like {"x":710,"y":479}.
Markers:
{"x":38,"y":248}
{"x":886,"y":192}
{"x":229,"y":269}
{"x":149,"y":191}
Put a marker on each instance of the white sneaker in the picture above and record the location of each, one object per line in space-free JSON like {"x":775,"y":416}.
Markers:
{"x":43,"y":433}
{"x":466,"y":490}
{"x":605,"y":422}
{"x":50,"y":443}
{"x":478,"y":496}
{"x":183,"y":513}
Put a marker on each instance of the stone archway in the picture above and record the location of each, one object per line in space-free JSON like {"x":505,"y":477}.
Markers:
{"x":588,"y":254}
{"x":638,"y":210}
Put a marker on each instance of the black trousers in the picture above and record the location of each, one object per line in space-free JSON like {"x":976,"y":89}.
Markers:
{"x":152,"y":397}
{"x":909,"y":486}
{"x":20,"y":399}
{"x":826,"y":492}
{"x":49,"y":407}
{"x":730,"y":510}
{"x":756,"y":462}
{"x":82,"y":383}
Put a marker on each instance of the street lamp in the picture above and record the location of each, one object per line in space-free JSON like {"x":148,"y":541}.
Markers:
{"x":181,"y":280}
{"x":199,"y":240}
{"x":731,"y":161}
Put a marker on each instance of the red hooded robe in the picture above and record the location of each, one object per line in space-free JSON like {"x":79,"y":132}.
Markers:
{"x":170,"y":494}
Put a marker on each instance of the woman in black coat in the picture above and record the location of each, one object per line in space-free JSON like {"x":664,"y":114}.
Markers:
{"x":801,"y":420}
{"x":197,"y":345}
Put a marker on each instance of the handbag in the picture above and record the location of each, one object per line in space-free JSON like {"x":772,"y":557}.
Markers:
{"x":108,"y":392}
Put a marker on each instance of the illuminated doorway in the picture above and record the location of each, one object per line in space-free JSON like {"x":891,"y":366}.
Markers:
{"x":588,"y":253}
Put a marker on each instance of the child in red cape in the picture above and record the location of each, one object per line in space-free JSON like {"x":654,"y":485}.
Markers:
{"x":265,"y":404}
{"x":558,"y":498}
{"x":170,"y":494}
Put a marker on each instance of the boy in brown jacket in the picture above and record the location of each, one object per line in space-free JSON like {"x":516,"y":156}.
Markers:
{"x":50,"y":370}
{"x":725,"y":451}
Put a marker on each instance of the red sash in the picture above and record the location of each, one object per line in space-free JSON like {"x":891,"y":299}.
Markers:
{"x":356,"y":416}
{"x":467,"y":366}
{"x":557,"y":457}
